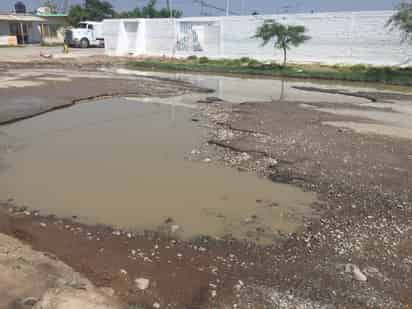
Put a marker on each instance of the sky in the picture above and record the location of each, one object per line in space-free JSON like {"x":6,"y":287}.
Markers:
{"x":193,"y":7}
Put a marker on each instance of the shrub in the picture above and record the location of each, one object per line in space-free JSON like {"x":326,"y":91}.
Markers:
{"x":203,"y":60}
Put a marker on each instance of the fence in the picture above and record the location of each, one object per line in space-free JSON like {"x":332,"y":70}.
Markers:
{"x":336,"y":38}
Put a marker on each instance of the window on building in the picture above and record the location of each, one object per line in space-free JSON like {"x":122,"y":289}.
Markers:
{"x":49,"y":30}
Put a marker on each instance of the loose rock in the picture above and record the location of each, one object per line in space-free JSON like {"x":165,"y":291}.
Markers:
{"x":142,"y":283}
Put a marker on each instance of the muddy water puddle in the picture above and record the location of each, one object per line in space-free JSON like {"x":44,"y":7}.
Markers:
{"x":122,"y":163}
{"x":237,"y":90}
{"x":392,"y":117}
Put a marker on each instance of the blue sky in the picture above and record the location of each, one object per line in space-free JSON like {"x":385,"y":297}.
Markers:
{"x":190,"y":8}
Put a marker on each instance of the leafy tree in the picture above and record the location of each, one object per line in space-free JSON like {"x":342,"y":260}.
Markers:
{"x":150,"y":11}
{"x":99,"y":10}
{"x":51,"y":5}
{"x":282,"y":36}
{"x":402,"y":20}
{"x":135,"y":13}
{"x":77,"y":14}
{"x":95,"y":10}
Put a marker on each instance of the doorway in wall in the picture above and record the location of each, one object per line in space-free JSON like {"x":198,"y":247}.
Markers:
{"x":20,"y":31}
{"x":198,"y":38}
{"x":131,"y":29}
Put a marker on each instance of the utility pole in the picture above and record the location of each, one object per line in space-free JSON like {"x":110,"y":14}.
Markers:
{"x":169,"y":7}
{"x":65,"y":6}
{"x":202,"y":11}
{"x":227,"y":7}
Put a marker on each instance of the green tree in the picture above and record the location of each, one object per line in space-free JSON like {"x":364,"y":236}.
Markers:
{"x":402,"y":20}
{"x":150,"y":11}
{"x":94,"y":10}
{"x":77,"y":14}
{"x":99,"y":10}
{"x":51,"y":5}
{"x":135,"y":13}
{"x":282,"y":36}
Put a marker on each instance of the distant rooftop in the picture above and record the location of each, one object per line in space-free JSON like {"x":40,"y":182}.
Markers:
{"x":52,"y":14}
{"x":11,"y":16}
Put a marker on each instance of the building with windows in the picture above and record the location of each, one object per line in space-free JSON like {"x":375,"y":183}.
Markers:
{"x":18,"y":29}
{"x":52,"y":29}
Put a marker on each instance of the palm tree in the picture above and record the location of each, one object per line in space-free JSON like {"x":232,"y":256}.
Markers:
{"x":282,"y":36}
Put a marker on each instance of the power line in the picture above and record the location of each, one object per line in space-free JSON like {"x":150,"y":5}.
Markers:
{"x":205,"y":4}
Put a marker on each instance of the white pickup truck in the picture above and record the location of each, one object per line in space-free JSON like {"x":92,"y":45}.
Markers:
{"x":88,"y":33}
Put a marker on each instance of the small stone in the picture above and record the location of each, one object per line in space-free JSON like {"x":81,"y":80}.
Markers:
{"x":371,"y":270}
{"x":29,"y":301}
{"x":156,"y":305}
{"x":207,"y":160}
{"x":42,"y":224}
{"x":123,"y":272}
{"x":174,"y":228}
{"x":237,"y":287}
{"x":248,"y":220}
{"x":358,"y":275}
{"x":129,"y":235}
{"x":116,"y":233}
{"x":27,"y":213}
{"x":179,"y":255}
{"x":133,"y":252}
{"x":213,"y":293}
{"x":169,"y":221}
{"x":142,"y":283}
{"x":356,"y":272}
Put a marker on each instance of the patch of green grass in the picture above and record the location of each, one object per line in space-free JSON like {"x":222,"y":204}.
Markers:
{"x":245,"y":65}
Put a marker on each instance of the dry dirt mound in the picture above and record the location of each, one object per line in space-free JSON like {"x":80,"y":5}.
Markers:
{"x":31,"y":279}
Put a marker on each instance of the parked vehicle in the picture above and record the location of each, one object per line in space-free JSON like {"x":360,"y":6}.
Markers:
{"x":87,"y":34}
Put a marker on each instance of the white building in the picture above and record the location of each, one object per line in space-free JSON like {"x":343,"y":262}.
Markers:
{"x":28,"y":28}
{"x":341,"y":37}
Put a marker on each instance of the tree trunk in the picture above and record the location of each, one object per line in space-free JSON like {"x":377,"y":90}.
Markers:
{"x":284,"y":56}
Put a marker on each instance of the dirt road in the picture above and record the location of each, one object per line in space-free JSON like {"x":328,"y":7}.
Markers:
{"x":355,"y":255}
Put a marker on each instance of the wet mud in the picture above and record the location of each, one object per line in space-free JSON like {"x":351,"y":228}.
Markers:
{"x":361,"y":182}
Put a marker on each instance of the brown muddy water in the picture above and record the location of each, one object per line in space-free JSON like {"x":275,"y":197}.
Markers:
{"x":122,"y":163}
{"x":389,"y":117}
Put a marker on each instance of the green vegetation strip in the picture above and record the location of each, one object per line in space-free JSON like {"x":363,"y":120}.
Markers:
{"x":358,"y":73}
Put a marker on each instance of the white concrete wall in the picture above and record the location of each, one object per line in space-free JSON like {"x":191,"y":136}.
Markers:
{"x":4,"y":33}
{"x":34,"y":33}
{"x":112,"y":37}
{"x":336,"y":38}
{"x":4,"y":28}
{"x":160,"y":37}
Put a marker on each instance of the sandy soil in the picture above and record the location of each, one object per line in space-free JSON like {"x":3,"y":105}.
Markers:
{"x":32,"y":279}
{"x":356,"y":255}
